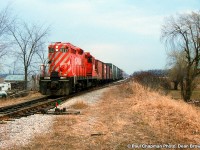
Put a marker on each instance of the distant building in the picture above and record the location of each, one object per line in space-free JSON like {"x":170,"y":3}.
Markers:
{"x":17,"y":81}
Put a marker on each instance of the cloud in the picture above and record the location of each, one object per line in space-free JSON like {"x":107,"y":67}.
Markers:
{"x":135,"y":24}
{"x":101,"y":14}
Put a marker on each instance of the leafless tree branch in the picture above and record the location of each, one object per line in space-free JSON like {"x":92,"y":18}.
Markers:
{"x":182,"y":33}
{"x":28,"y":40}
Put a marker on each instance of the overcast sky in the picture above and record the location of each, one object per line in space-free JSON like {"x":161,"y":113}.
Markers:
{"x":123,"y":32}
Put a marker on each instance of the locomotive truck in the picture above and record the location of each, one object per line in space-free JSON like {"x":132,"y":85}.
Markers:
{"x":71,"y":69}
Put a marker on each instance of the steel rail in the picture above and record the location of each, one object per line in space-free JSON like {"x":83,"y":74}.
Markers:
{"x":43,"y":103}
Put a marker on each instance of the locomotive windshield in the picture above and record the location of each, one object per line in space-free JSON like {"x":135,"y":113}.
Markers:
{"x":64,"y":50}
{"x":51,"y":50}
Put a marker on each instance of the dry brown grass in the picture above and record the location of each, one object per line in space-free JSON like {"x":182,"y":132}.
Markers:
{"x":127,"y":114}
{"x":174,"y":121}
{"x":79,"y":105}
{"x":10,"y":101}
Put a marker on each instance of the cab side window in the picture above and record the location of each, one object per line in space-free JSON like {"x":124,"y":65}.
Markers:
{"x":73,"y":51}
{"x":89,"y":59}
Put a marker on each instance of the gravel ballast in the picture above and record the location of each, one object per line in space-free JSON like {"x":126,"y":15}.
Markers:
{"x":89,"y":98}
{"x":20,"y":132}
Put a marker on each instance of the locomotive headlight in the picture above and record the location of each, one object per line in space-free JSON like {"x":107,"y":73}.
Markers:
{"x":56,"y":48}
{"x":62,"y":77}
{"x":46,"y":77}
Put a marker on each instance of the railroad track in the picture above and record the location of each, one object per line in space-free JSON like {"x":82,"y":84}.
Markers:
{"x":28,"y":108}
{"x":7,"y":109}
{"x":42,"y":104}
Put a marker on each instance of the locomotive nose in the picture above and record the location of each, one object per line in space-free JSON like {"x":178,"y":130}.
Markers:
{"x":54,"y":85}
{"x":62,"y":68}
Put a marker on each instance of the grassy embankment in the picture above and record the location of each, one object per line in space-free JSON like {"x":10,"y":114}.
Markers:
{"x":126,"y":114}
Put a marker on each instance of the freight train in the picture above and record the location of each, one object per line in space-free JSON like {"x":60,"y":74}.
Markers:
{"x":70,"y":69}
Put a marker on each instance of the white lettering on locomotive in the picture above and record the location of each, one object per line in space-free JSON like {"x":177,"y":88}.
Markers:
{"x":77,"y":61}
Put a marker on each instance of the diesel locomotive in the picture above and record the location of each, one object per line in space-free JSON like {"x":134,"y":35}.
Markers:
{"x":71,"y":69}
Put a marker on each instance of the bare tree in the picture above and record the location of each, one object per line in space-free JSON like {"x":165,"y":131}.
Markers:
{"x":177,"y":64}
{"x":5,"y":21}
{"x":183,"y":33}
{"x":43,"y":60}
{"x":28,"y":40}
{"x":42,"y":55}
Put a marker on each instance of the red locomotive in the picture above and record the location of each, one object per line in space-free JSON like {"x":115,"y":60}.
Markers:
{"x":71,"y":69}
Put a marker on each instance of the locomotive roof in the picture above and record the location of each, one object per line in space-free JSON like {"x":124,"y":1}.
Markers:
{"x":60,"y":44}
{"x":65,"y":44}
